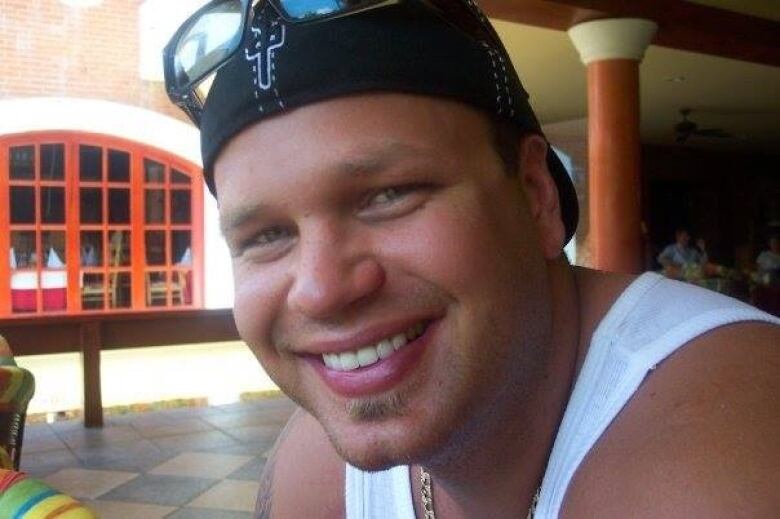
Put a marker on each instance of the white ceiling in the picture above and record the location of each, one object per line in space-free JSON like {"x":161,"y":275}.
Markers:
{"x":739,"y":97}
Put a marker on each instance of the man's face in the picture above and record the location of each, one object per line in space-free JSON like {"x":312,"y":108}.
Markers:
{"x":683,"y":238}
{"x":384,"y":230}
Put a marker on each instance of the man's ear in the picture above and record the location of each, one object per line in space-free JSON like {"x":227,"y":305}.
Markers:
{"x":541,"y":194}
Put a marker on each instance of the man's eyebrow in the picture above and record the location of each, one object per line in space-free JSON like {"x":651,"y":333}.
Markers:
{"x":379,"y":158}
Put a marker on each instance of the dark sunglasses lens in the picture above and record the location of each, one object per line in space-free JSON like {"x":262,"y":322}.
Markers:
{"x":299,"y":10}
{"x":207,"y":40}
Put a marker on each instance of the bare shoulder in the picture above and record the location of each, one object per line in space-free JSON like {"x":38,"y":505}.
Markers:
{"x":701,"y":437}
{"x":304,"y":476}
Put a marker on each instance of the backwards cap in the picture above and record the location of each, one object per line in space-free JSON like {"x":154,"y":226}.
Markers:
{"x":404,"y":48}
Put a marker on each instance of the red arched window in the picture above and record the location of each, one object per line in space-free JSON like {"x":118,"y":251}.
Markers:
{"x":94,"y":223}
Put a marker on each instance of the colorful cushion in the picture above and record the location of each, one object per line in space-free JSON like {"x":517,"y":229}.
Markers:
{"x":26,"y":498}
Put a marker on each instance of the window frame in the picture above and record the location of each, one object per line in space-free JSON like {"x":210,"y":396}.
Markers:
{"x":72,"y":227}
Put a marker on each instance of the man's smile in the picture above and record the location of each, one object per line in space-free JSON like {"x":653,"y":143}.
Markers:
{"x":376,"y":367}
{"x":372,"y":353}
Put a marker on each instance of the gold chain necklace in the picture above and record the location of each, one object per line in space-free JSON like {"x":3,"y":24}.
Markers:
{"x":426,"y":496}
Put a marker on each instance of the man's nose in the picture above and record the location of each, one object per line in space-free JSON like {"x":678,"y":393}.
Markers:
{"x":332,"y":273}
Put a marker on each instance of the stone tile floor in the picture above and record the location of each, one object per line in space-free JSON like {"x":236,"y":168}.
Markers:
{"x":186,"y":463}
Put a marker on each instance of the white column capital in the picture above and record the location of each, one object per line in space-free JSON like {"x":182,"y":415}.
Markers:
{"x":614,"y":38}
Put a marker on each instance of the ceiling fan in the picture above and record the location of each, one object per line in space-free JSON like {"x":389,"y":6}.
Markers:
{"x":684,"y":129}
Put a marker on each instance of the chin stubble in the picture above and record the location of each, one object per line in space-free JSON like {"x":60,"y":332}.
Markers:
{"x":376,"y":408}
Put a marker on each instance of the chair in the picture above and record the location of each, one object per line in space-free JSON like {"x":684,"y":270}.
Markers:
{"x":158,"y":289}
{"x":20,"y":496}
{"x":17,"y":386}
{"x":94,"y":292}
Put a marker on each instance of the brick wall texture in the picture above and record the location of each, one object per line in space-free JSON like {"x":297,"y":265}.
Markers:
{"x":48,"y":48}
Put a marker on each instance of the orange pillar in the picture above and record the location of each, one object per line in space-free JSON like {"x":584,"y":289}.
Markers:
{"x":613,"y":165}
{"x":612,"y":51}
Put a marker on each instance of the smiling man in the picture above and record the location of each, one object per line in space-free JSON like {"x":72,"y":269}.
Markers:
{"x":396,"y":220}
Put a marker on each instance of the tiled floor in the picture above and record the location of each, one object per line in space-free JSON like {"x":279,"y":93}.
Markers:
{"x":188,"y":463}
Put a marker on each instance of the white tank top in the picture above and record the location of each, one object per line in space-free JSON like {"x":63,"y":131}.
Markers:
{"x":651,"y":319}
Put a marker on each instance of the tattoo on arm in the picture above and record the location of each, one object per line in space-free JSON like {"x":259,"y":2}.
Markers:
{"x":265,"y":494}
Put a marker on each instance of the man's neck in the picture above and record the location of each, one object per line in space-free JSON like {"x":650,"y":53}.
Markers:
{"x":499,"y":476}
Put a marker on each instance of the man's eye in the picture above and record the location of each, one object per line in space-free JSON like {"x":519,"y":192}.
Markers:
{"x":394,"y":202}
{"x":394,"y":194}
{"x":269,"y":236}
{"x":388,"y":195}
{"x":266,"y":242}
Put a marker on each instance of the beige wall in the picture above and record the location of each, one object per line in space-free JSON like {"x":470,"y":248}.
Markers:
{"x":216,"y":372}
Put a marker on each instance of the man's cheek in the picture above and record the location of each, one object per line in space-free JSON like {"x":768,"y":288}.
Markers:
{"x":256,"y":299}
{"x":455,"y":258}
{"x":253,"y":327}
{"x":278,"y":368}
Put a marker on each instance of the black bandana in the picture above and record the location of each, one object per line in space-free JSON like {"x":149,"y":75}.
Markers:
{"x":399,"y":48}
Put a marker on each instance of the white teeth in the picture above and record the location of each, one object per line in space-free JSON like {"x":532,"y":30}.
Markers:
{"x":399,"y":340}
{"x":368,"y":355}
{"x":349,"y":361}
{"x":332,"y":361}
{"x":384,"y":349}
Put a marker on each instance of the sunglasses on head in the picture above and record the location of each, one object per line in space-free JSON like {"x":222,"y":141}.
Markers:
{"x":212,"y":35}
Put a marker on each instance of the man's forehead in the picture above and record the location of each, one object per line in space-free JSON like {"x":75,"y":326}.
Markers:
{"x":358,"y":133}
